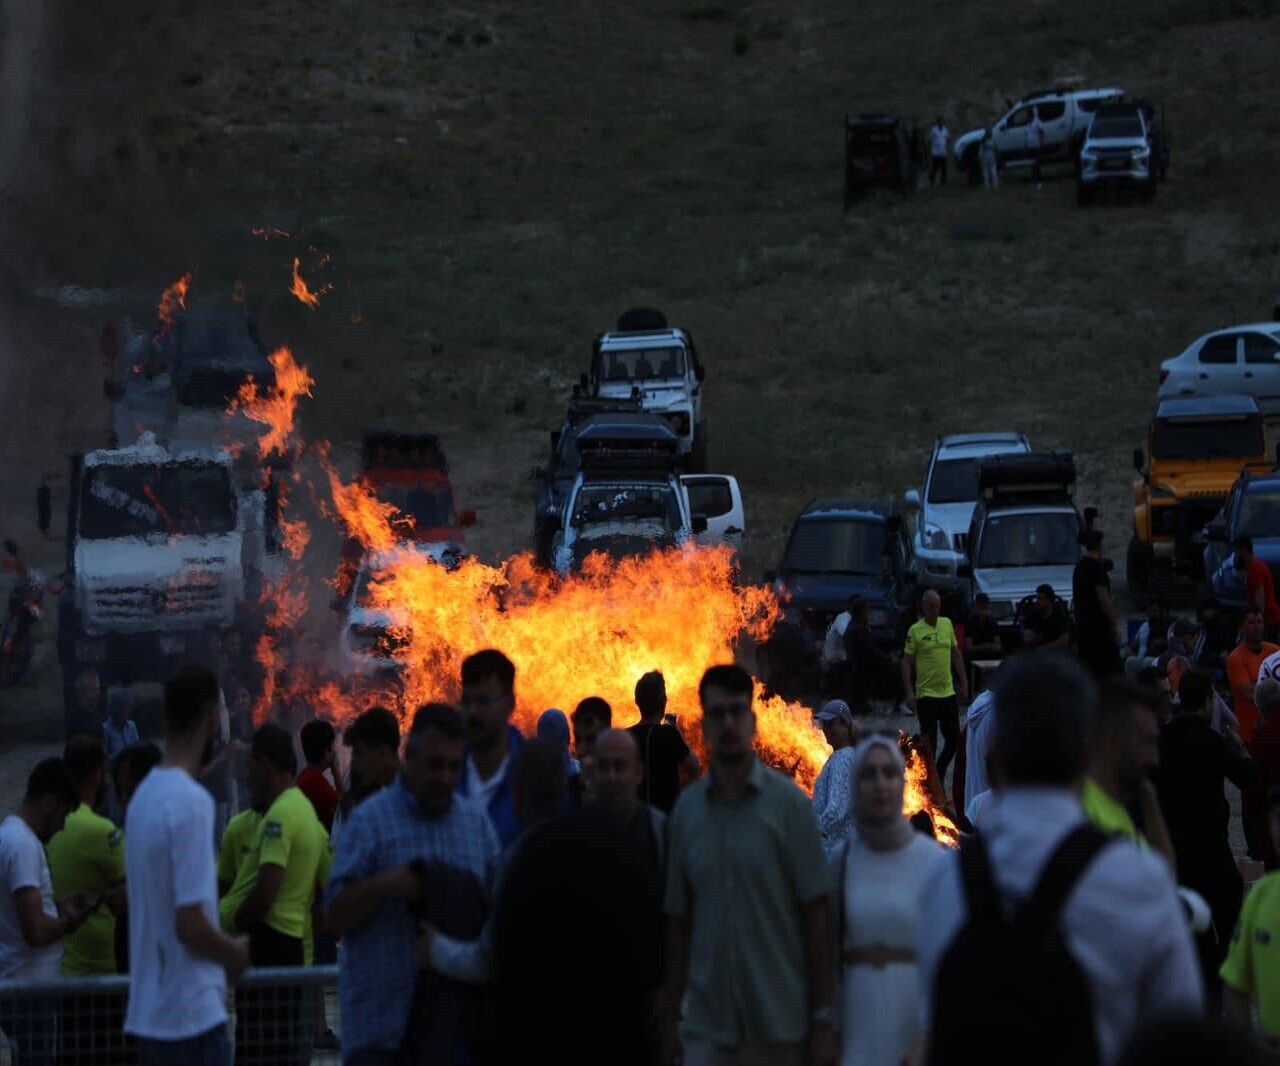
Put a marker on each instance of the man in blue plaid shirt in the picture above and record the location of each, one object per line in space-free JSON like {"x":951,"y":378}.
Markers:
{"x":372,"y":887}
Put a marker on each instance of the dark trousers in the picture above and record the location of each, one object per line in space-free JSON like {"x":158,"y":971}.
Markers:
{"x":208,"y":1049}
{"x":940,"y":713}
{"x":938,"y":167}
{"x":271,"y":1025}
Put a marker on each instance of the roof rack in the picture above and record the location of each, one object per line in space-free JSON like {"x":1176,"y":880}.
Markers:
{"x":1027,"y":475}
{"x":582,"y":406}
{"x":647,"y":445}
{"x":393,"y":449}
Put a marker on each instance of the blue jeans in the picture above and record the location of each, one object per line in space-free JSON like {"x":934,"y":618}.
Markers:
{"x":208,"y":1049}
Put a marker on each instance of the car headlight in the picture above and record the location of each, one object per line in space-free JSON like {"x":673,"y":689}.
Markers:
{"x":935,"y":538}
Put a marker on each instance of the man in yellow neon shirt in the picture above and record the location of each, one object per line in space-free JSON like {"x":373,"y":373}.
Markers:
{"x":931,"y":663}
{"x":1251,"y":972}
{"x":235,"y":852}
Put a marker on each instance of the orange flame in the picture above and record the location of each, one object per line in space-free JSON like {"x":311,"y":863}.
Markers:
{"x":267,"y":232}
{"x":300,"y":290}
{"x":275,"y":408}
{"x":172,"y":300}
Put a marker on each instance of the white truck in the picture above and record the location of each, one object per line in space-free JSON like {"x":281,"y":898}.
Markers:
{"x":165,"y":553}
{"x":647,"y":360}
{"x":628,"y":497}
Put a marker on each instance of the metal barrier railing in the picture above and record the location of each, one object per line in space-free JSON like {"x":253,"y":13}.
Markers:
{"x":79,"y":1021}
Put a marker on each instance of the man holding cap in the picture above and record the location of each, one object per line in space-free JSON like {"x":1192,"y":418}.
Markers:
{"x":832,"y":791}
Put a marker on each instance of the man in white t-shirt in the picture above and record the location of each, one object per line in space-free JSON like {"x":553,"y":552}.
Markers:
{"x":179,"y":959}
{"x":32,"y":925}
{"x":939,"y":138}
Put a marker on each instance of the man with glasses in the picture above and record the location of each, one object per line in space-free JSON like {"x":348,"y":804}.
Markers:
{"x":488,"y":698}
{"x":748,"y":953}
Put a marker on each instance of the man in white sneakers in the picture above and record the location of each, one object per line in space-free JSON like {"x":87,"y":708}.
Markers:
{"x":179,"y":959}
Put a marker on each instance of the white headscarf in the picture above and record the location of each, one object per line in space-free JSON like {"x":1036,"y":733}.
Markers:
{"x":879,"y":836}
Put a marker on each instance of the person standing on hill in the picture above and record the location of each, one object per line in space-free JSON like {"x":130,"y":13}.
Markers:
{"x":939,"y":139}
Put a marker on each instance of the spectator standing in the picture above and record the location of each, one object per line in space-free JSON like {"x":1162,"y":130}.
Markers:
{"x":131,"y":767}
{"x":591,"y":717}
{"x":553,"y":727}
{"x":1151,"y":639}
{"x":878,"y":874}
{"x":1264,"y":749}
{"x":1195,"y":764}
{"x":118,"y":729}
{"x":85,"y":713}
{"x":1035,"y":145}
{"x":1243,"y":665}
{"x":939,"y":140}
{"x":931,"y":663}
{"x":374,"y":740}
{"x":869,"y":670}
{"x":179,"y":960}
{"x":1259,"y":587}
{"x":215,"y":774}
{"x":832,"y":794}
{"x":835,"y":664}
{"x":664,"y":755}
{"x":979,"y":725}
{"x":1096,"y":625}
{"x":320,"y":749}
{"x":421,"y":817}
{"x":748,"y":938}
{"x":1222,"y":718}
{"x":990,"y":163}
{"x":488,"y":699}
{"x":1121,"y":921}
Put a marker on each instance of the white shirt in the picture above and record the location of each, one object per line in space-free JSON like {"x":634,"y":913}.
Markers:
{"x":23,"y":865}
{"x":482,"y":791}
{"x":1035,"y":133}
{"x":169,"y":864}
{"x":833,"y":646}
{"x":938,"y":137}
{"x":1269,"y":668}
{"x":979,"y":730}
{"x":1124,"y":923}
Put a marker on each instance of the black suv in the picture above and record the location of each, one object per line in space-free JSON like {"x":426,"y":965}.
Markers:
{"x":837,"y":548}
{"x":877,"y":154}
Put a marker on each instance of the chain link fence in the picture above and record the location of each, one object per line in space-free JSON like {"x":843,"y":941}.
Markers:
{"x":276,"y":1017}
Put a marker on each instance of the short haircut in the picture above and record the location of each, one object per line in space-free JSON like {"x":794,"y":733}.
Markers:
{"x":595,"y":708}
{"x":729,"y":676}
{"x":1044,"y":709}
{"x":1118,"y":697}
{"x":272,"y":744}
{"x":1046,"y":590}
{"x":651,"y":693}
{"x":1194,"y":690}
{"x":84,"y":756}
{"x":50,"y":777}
{"x":377,"y":727}
{"x":1244,"y":542}
{"x":317,"y":738}
{"x":489,"y":663}
{"x":188,"y":695}
{"x":138,"y":760}
{"x":438,"y":716}
{"x":538,"y":775}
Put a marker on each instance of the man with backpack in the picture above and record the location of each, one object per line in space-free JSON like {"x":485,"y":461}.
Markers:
{"x":1044,"y":940}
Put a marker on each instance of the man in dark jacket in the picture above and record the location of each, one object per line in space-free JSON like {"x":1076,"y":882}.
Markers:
{"x":1194,"y":763}
{"x":870,"y":670}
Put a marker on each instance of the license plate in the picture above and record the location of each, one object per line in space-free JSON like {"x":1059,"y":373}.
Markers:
{"x":91,"y":651}
{"x":172,"y":645}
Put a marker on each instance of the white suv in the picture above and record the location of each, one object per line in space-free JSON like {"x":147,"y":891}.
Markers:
{"x":944,"y":507}
{"x":1116,"y":153}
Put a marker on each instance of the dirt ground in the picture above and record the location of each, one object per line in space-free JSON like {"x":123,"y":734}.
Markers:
{"x":486,"y":185}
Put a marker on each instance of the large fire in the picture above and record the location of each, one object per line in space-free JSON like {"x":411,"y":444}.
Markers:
{"x":172,"y":300}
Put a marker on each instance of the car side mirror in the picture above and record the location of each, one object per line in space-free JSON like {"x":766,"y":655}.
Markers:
{"x":699,"y":524}
{"x":1216,"y":531}
{"x":770,"y":576}
{"x":467,"y":518}
{"x":1139,"y":461}
{"x":911,"y":499}
{"x":964,"y":570}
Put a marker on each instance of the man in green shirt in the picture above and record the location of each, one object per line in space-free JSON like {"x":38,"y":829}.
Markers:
{"x":1126,"y":750}
{"x":748,"y":951}
{"x":931,"y":661}
{"x":235,"y":853}
{"x":276,"y":884}
{"x":1251,"y":972}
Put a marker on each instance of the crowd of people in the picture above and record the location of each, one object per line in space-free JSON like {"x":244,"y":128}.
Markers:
{"x":595,"y":893}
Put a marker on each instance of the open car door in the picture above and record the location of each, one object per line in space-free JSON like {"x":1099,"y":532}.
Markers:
{"x":718,"y":497}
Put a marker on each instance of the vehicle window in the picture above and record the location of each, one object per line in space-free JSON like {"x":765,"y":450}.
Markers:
{"x":627,"y":503}
{"x":953,"y":481}
{"x":1218,"y":438}
{"x":1021,"y":117}
{"x":426,"y":506}
{"x":135,"y":500}
{"x":836,"y":546}
{"x":1259,"y":514}
{"x":640,"y":364}
{"x":1115,"y":128}
{"x":1219,"y":349}
{"x":1048,"y":539}
{"x":1051,"y":110}
{"x":1089,"y":105}
{"x":1259,"y":348}
{"x":711,"y":497}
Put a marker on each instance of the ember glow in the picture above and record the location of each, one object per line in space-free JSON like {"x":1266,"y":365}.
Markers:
{"x":300,"y":290}
{"x":172,"y":300}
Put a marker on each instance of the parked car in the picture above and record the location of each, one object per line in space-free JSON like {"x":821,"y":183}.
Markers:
{"x":1065,"y":115}
{"x":1252,"y":509}
{"x":1117,"y":154}
{"x":1243,"y":360}
{"x":1196,"y":447}
{"x":944,"y":505}
{"x":836,"y":548}
{"x":877,"y":155}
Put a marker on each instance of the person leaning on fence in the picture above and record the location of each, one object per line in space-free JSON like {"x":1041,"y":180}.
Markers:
{"x":180,"y":961}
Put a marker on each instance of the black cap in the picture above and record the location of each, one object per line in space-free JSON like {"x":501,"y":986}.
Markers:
{"x":377,"y":726}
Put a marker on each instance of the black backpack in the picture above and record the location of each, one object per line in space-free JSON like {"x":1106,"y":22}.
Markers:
{"x":1008,"y":989}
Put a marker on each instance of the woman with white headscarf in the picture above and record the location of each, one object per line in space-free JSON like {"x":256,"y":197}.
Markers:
{"x":878,"y":874}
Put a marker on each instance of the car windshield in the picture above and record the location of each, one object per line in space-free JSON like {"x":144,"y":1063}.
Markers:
{"x":1259,"y":514}
{"x":836,"y":546}
{"x":429,"y":506}
{"x":954,"y":481}
{"x":1049,"y":538}
{"x":597,"y":503}
{"x":136,"y":499}
{"x":1219,"y":438}
{"x":642,"y":364}
{"x":1115,"y":128}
